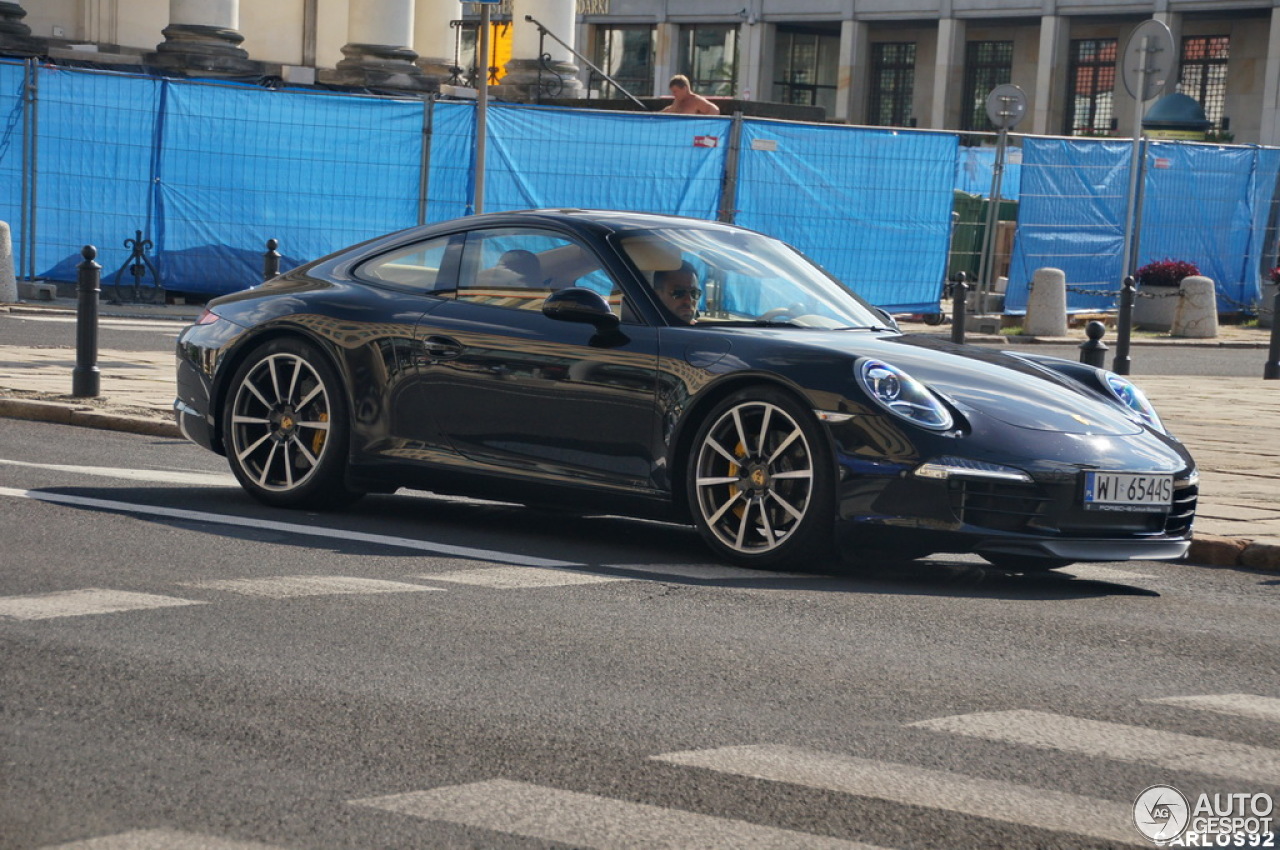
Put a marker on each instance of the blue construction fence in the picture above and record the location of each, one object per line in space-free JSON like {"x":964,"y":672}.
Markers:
{"x":209,"y":172}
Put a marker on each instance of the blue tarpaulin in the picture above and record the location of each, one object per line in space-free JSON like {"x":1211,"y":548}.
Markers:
{"x":872,"y":206}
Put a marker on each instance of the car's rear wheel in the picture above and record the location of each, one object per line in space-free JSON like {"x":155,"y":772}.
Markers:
{"x":285,"y":427}
{"x":761,"y":484}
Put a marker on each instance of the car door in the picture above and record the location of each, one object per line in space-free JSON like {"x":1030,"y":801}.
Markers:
{"x":516,"y":391}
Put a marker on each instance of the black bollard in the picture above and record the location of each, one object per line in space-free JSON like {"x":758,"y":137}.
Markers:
{"x":271,"y":260}
{"x":1093,"y":351}
{"x":1271,"y":371}
{"x":1124,"y":327}
{"x":85,"y":380}
{"x":959,"y":291}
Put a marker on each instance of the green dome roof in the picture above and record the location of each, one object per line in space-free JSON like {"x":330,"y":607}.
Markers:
{"x":1176,"y":112}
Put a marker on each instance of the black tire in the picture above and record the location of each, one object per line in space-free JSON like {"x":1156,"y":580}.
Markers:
{"x":761,"y":481}
{"x":1026,"y":564}
{"x":286,"y":428}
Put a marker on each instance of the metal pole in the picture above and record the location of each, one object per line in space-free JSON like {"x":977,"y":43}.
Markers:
{"x":1124,"y":327}
{"x":1135,"y":160}
{"x":1272,"y":370}
{"x":1093,"y":351}
{"x":424,"y":162}
{"x":986,"y":264}
{"x":271,"y":260}
{"x":482,"y":107}
{"x":85,"y":380}
{"x":35,"y":170}
{"x":959,"y":291}
{"x":729,"y":180}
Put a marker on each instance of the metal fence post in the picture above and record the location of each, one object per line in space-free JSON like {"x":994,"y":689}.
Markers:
{"x":729,"y":180}
{"x":1093,"y":351}
{"x":1124,"y":327}
{"x":271,"y":260}
{"x":1272,"y":370}
{"x":959,"y":292}
{"x":85,"y":380}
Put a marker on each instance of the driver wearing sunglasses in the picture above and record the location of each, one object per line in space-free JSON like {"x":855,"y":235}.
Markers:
{"x":678,"y":290}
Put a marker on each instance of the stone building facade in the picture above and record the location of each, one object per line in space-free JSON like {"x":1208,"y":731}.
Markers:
{"x":916,"y":63}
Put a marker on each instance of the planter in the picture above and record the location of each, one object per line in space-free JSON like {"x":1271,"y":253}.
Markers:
{"x":1155,"y":313}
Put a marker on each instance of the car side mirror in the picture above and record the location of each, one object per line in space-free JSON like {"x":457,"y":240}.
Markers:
{"x":889,"y":321}
{"x":576,"y":304}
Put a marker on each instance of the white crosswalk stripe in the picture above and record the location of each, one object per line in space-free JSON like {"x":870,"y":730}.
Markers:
{"x":160,"y":839}
{"x":505,"y":578}
{"x":1239,"y":705}
{"x":585,"y":820}
{"x":1170,"y":750}
{"x":287,"y":587}
{"x":85,"y":602}
{"x":915,"y":786}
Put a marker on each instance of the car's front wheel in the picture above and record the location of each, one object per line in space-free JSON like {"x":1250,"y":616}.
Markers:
{"x":761,"y":484}
{"x":285,"y":427}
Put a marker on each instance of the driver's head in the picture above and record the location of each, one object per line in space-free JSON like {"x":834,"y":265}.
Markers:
{"x":678,"y":290}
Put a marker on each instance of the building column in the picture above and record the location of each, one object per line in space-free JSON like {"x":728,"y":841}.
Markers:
{"x":948,"y":75}
{"x":756,"y":46}
{"x":1269,"y":132}
{"x":377,"y":54}
{"x":203,"y":37}
{"x":528,"y":77}
{"x":1055,"y":35}
{"x":666,"y":57}
{"x":851,"y":84}
{"x":433,"y":37}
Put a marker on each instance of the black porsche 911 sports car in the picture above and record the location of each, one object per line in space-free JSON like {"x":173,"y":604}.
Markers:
{"x":645,"y":365}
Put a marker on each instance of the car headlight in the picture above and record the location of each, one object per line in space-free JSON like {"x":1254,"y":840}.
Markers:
{"x":1133,"y":399}
{"x":902,"y":395}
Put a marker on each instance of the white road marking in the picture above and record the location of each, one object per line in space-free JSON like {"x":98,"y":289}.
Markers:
{"x":705,"y":571}
{"x":503,"y":578}
{"x":171,"y":326}
{"x":82,"y":603}
{"x":1239,"y":705}
{"x":1169,"y":750}
{"x":161,"y":839}
{"x":916,"y":786}
{"x":585,"y":820}
{"x":162,"y":476}
{"x":1090,"y":572}
{"x":287,"y":587}
{"x":345,"y":535}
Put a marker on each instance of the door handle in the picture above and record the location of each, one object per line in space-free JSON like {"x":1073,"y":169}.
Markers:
{"x":442,"y":348}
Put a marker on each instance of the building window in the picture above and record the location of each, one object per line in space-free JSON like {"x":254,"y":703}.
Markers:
{"x":1204,"y":74}
{"x":626,"y":54}
{"x":806,"y":63}
{"x":893,"y":77}
{"x":1092,"y":81}
{"x":709,"y":58}
{"x":987,"y":64}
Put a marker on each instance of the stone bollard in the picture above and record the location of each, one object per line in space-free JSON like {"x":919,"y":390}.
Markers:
{"x":1047,"y":304}
{"x":8,"y":281}
{"x":1196,"y":316}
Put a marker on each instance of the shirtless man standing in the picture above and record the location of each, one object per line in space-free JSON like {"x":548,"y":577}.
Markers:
{"x":686,"y":102}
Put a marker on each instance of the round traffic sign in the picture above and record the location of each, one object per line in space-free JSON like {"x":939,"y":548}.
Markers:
{"x":1006,"y":105}
{"x":1149,"y":50}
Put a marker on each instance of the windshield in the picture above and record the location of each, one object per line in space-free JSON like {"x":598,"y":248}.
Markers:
{"x":744,"y":277}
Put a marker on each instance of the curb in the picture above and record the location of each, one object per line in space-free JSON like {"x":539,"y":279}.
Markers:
{"x":85,"y":417}
{"x":1207,"y":550}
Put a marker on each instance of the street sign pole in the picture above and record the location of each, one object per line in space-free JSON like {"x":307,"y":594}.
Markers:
{"x":482,"y":104}
{"x":1145,"y":71}
{"x":1006,"y":106}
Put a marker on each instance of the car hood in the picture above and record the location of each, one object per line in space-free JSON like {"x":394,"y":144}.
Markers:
{"x":993,"y":383}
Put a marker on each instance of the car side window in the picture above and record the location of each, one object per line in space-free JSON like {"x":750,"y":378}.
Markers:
{"x":518,"y":268}
{"x":430,"y":266}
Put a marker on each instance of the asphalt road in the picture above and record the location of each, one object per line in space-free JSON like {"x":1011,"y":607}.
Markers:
{"x":185,"y":669}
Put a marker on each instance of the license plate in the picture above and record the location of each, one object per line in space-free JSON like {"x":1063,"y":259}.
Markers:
{"x":1119,"y":491}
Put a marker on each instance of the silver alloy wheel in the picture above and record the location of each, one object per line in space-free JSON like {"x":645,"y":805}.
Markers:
{"x":754,"y":477}
{"x":280,"y":420}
